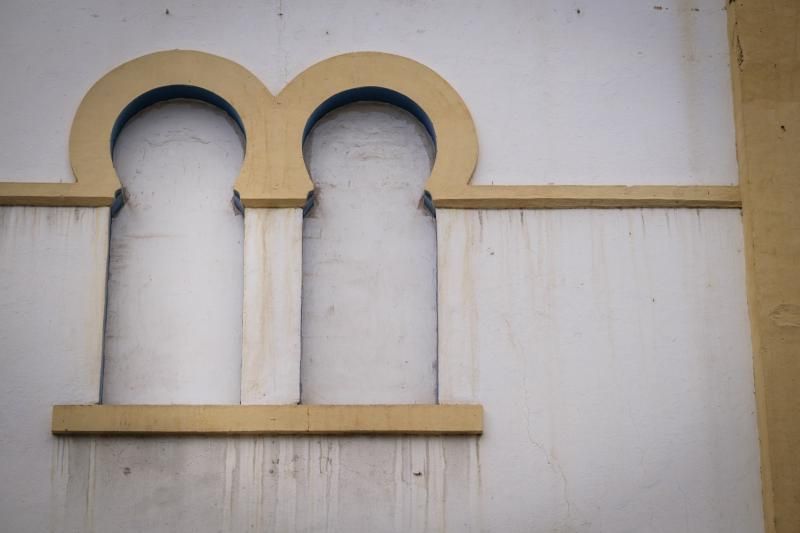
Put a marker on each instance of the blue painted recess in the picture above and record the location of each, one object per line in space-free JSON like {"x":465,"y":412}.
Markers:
{"x":359,"y":94}
{"x":172,"y":92}
{"x":370,"y":94}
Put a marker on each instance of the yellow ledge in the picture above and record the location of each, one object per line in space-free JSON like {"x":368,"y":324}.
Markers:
{"x":267,"y":419}
{"x":590,"y":196}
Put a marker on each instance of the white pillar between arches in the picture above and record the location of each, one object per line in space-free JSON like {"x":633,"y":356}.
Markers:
{"x":273,"y":240}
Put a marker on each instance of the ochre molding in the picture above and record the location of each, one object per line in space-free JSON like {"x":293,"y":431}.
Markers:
{"x":765,"y":66}
{"x":273,"y":173}
{"x":590,"y":196}
{"x":267,"y":419}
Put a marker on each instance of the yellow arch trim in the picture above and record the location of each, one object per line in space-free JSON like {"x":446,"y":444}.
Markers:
{"x":107,"y":100}
{"x":274,"y":174}
{"x":456,"y":140}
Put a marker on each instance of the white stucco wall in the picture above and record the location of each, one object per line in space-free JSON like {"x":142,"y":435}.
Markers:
{"x":52,"y":285}
{"x":610,"y":349}
{"x":612,"y":358}
{"x":621,"y":93}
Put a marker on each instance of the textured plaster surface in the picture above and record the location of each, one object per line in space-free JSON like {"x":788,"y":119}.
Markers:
{"x":609,"y":348}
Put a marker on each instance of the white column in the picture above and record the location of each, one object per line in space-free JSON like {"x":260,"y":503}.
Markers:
{"x":273,"y":240}
{"x":458,"y":313}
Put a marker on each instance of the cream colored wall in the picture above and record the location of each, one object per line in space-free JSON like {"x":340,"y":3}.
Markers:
{"x":609,"y":348}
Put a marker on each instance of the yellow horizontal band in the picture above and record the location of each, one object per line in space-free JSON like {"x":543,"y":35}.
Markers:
{"x":55,"y":195}
{"x":267,"y":419}
{"x":473,"y":197}
{"x":590,"y":196}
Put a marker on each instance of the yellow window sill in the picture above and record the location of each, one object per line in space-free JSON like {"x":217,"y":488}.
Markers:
{"x":267,"y":420}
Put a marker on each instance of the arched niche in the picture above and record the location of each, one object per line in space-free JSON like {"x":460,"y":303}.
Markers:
{"x":163,"y":367}
{"x":346,"y":361}
{"x":173,"y":327}
{"x":369,"y":318}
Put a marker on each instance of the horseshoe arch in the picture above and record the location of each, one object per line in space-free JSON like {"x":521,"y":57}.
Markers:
{"x":273,"y":173}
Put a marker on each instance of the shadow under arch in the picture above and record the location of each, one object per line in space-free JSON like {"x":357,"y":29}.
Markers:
{"x":372,"y":94}
{"x":172,"y":92}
